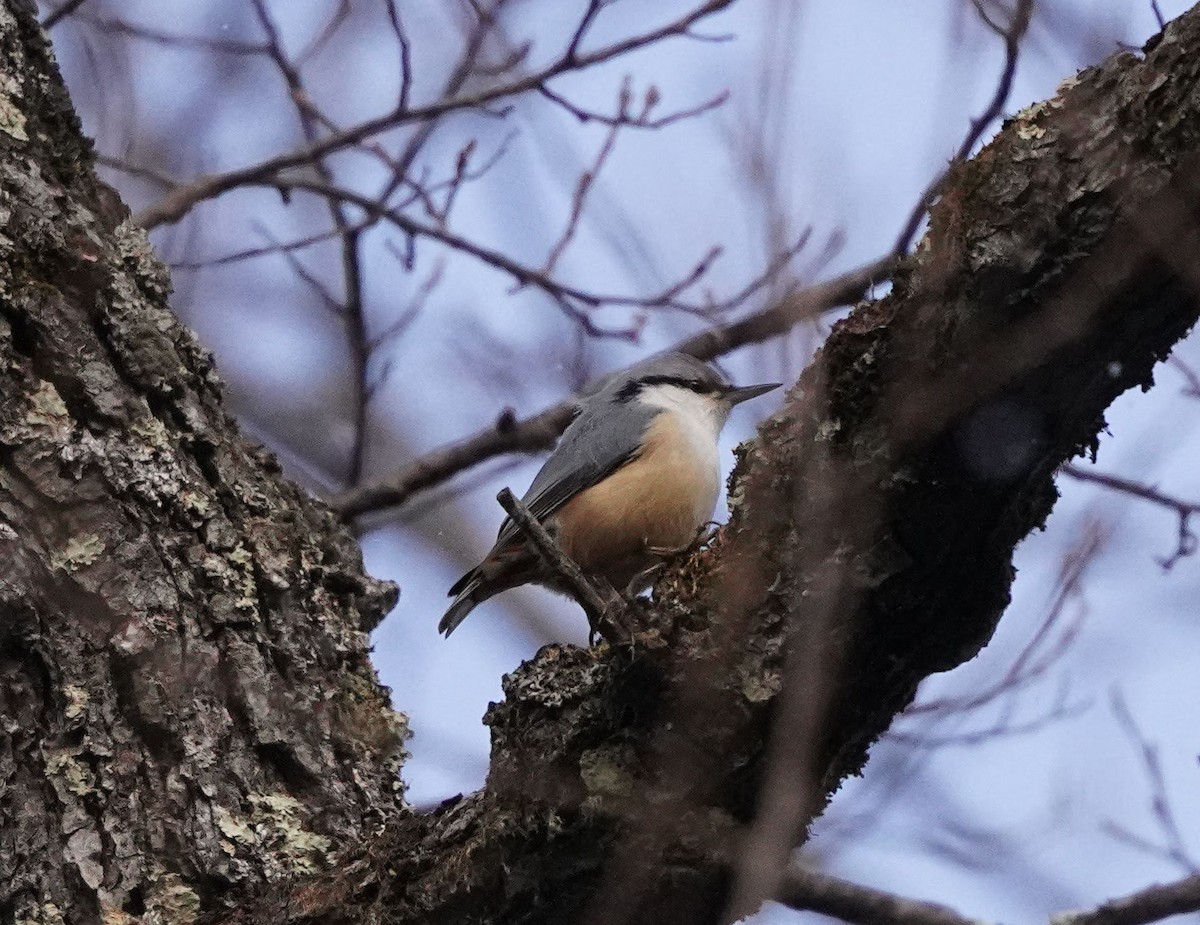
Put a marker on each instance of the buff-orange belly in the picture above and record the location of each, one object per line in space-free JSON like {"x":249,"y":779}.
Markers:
{"x":659,"y":500}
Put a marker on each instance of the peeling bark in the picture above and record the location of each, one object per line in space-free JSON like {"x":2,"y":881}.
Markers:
{"x":187,"y":709}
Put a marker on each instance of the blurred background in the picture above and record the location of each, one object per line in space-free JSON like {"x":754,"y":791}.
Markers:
{"x":407,"y":290}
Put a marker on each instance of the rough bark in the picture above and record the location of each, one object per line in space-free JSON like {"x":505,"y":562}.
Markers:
{"x":187,"y":708}
{"x":874,"y":521}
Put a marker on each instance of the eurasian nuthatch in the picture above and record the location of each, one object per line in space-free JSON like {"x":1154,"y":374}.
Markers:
{"x":635,"y":475}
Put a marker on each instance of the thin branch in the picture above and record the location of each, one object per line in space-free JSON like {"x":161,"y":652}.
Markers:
{"x":184,"y":197}
{"x":1187,"y":541}
{"x":327,"y":299}
{"x":585,"y":23}
{"x":54,"y":17}
{"x":1174,"y":849}
{"x":600,"y":610}
{"x":643,"y":120}
{"x":809,"y":891}
{"x":1149,"y":905}
{"x":1191,"y":377}
{"x":1012,"y":36}
{"x":539,"y":432}
{"x":406,"y":77}
{"x":336,"y":20}
{"x":575,"y":302}
{"x":1158,"y":15}
{"x":584,"y":186}
{"x":1001,"y":729}
{"x":351,"y":307}
{"x":267,"y":250}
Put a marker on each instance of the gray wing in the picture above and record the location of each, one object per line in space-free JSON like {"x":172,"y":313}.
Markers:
{"x":604,"y":437}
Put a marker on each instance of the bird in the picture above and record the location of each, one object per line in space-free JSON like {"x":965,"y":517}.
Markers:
{"x":634,"y":477}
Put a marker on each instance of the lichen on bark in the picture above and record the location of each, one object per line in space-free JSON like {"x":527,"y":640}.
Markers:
{"x":870,"y":545}
{"x":187,"y":707}
{"x":188,"y":710}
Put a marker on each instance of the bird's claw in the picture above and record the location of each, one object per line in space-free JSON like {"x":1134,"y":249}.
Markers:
{"x":704,"y":534}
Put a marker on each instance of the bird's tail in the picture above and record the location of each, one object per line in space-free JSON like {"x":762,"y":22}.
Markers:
{"x":468,"y":592}
{"x":504,"y":568}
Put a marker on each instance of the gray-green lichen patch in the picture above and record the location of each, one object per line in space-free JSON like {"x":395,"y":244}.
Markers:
{"x":171,"y":901}
{"x":80,"y":551}
{"x":47,"y":416}
{"x":233,"y":572}
{"x":77,"y":700}
{"x":69,"y":776}
{"x":608,"y":772}
{"x":12,"y":119}
{"x":136,"y":253}
{"x":761,"y":686}
{"x":114,"y":915}
{"x":273,"y":834}
{"x":46,"y":913}
{"x":144,"y":462}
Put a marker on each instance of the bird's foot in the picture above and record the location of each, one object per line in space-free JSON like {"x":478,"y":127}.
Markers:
{"x":704,"y":533}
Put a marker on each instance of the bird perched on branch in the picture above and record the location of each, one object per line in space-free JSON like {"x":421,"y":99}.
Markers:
{"x":634,"y":478}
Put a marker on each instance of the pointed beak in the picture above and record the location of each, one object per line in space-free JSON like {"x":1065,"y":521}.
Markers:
{"x":738,"y":395}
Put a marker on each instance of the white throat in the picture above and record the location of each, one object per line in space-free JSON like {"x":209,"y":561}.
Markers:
{"x":700,"y":417}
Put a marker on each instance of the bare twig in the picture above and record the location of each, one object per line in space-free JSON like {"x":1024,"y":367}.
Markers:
{"x":53,"y":18}
{"x":809,"y":891}
{"x":575,"y":302}
{"x":1012,"y":35}
{"x":275,"y":248}
{"x":1158,"y":14}
{"x":184,"y":197}
{"x":327,"y":299}
{"x":352,"y":308}
{"x":585,"y":23}
{"x":539,"y":432}
{"x":1174,"y":849}
{"x":1149,"y":905}
{"x":642,"y":120}
{"x":586,"y":179}
{"x":1002,"y":728}
{"x":397,"y":24}
{"x":1191,"y":377}
{"x":600,"y":610}
{"x":1187,"y":541}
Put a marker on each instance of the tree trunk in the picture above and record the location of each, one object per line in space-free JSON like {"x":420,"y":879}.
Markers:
{"x":188,"y":709}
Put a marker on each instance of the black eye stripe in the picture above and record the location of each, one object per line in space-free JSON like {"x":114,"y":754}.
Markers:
{"x":699,"y":386}
{"x":694,"y":385}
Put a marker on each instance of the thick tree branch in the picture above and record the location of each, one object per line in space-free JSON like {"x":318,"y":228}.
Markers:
{"x":873,"y":523}
{"x":185,"y":650}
